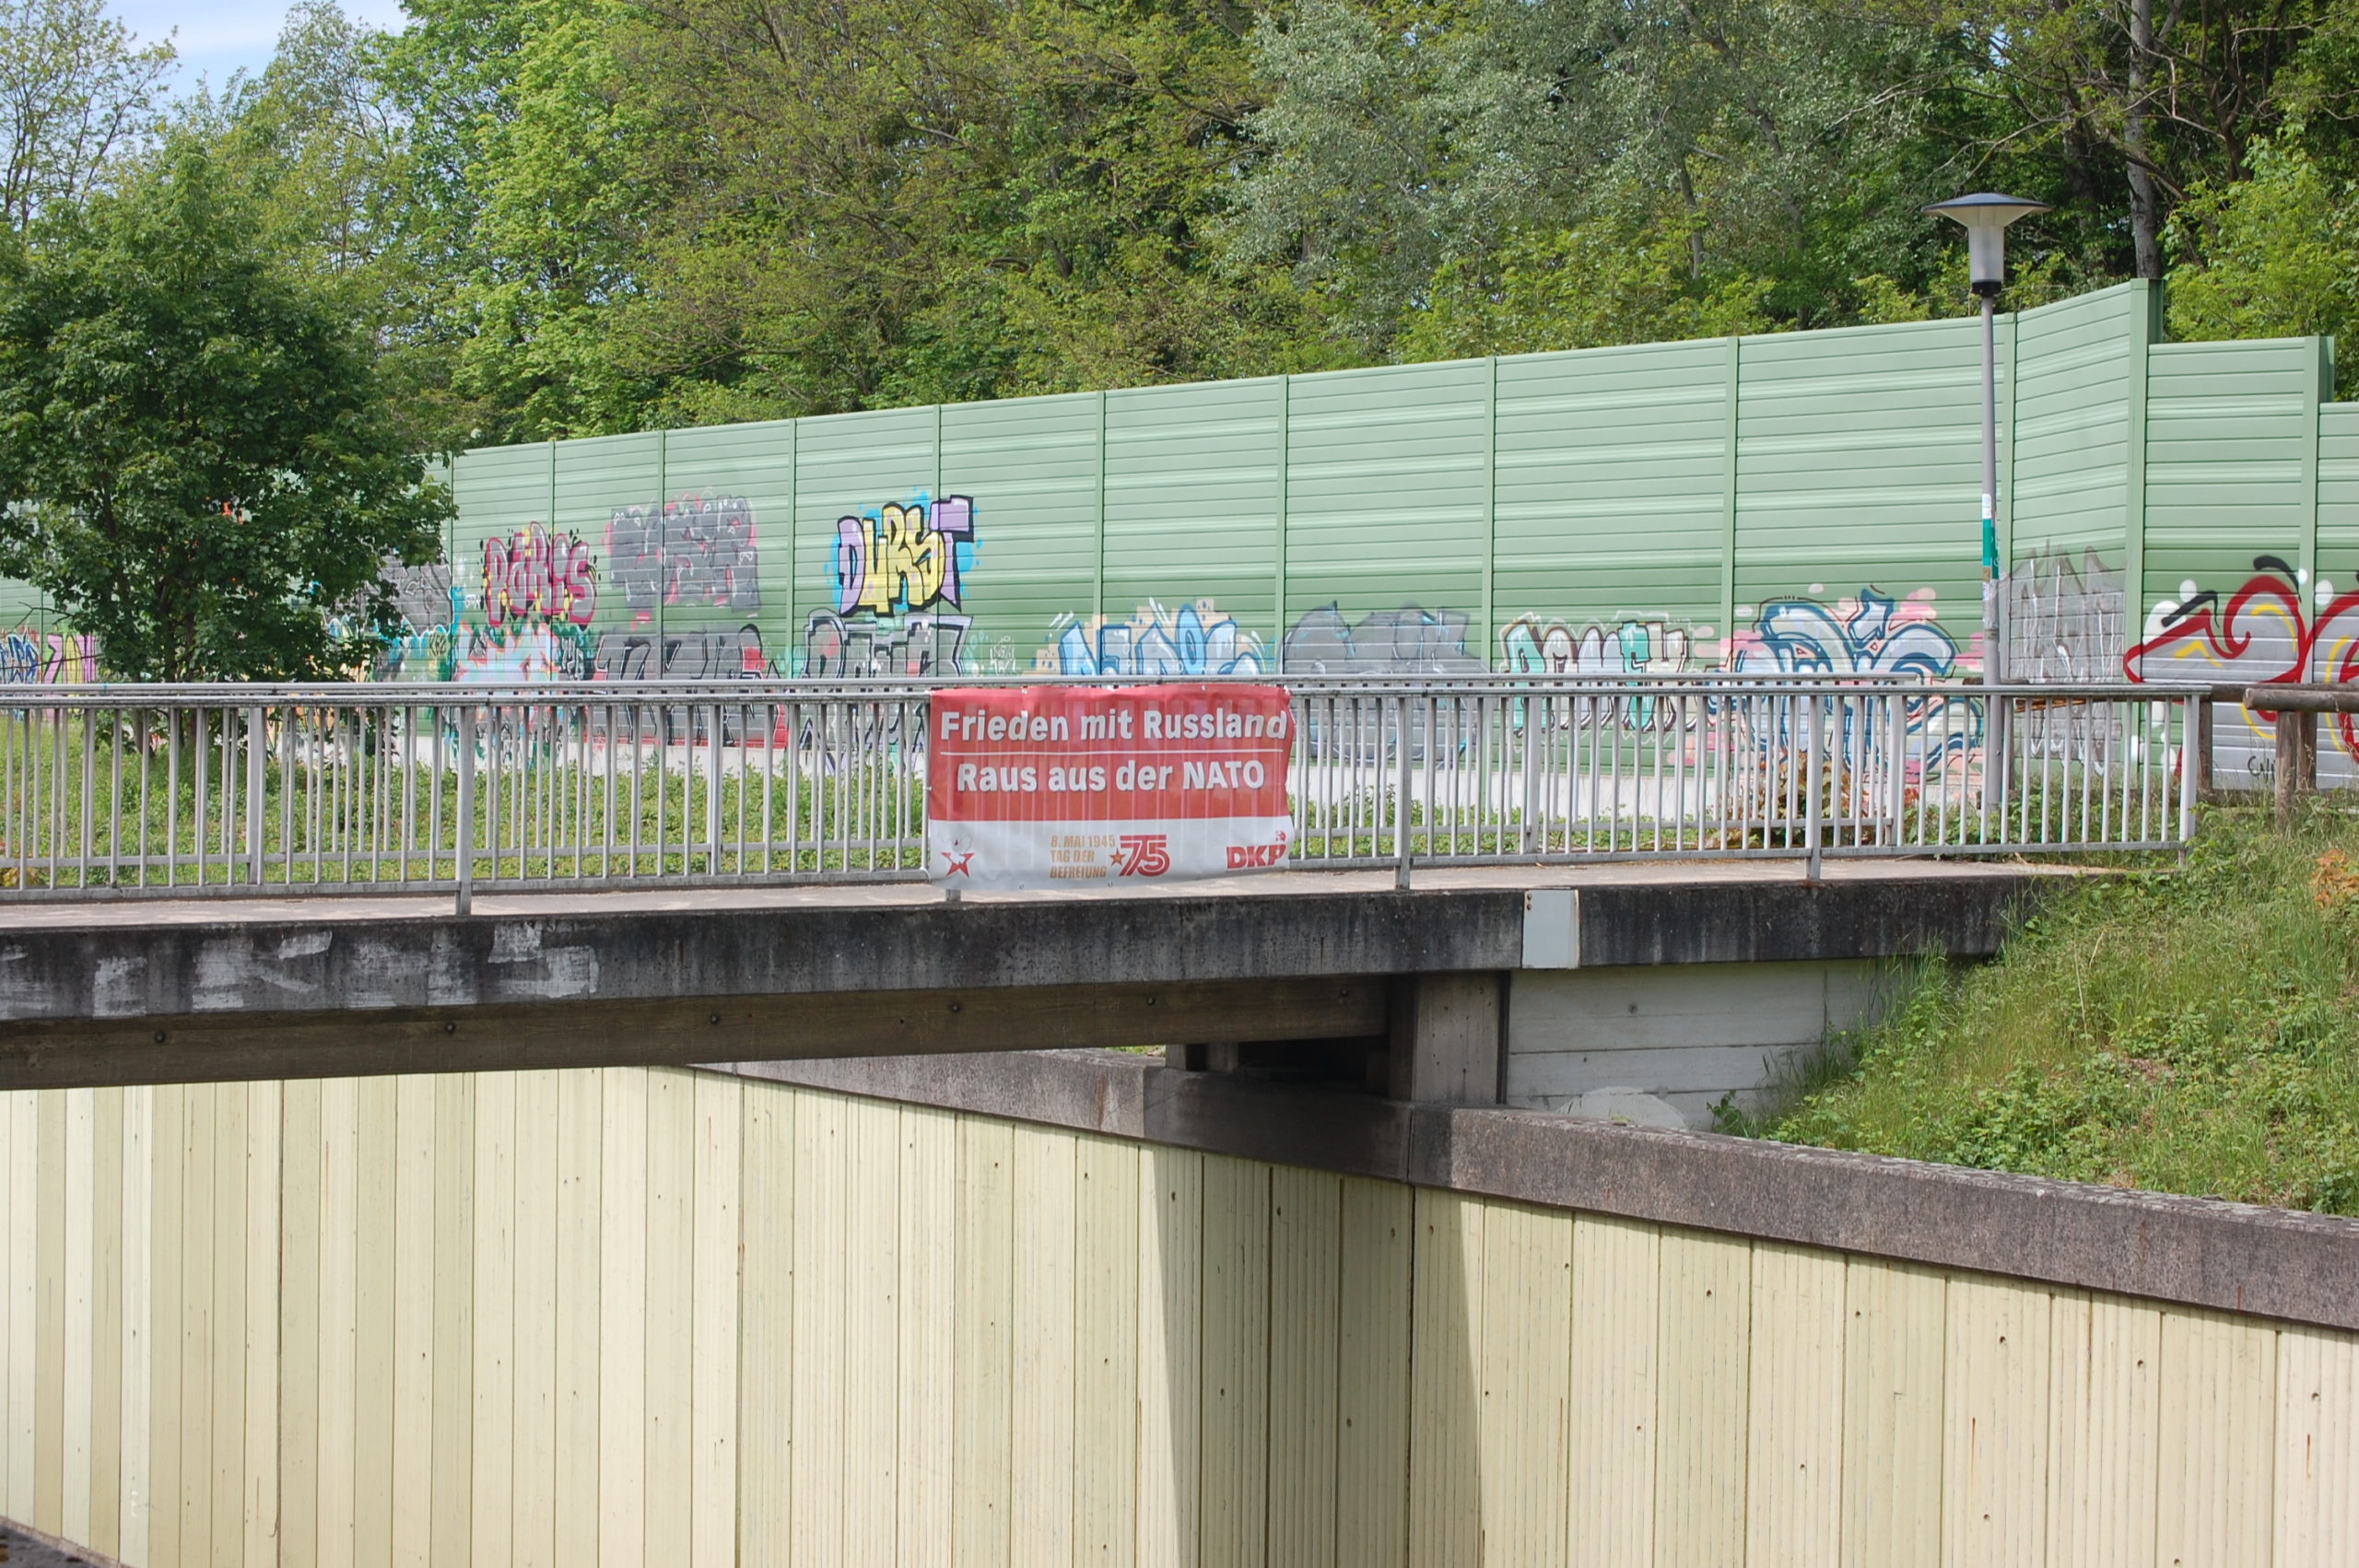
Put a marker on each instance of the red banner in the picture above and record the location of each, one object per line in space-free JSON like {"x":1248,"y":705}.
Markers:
{"x":1082,"y":785}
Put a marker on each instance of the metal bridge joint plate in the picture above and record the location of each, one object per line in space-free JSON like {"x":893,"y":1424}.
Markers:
{"x":1551,"y":929}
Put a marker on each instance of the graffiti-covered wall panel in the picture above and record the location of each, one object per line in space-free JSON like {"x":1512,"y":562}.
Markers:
{"x":1859,"y":468}
{"x":2074,"y":365}
{"x":1606,"y":510}
{"x":1387,"y":491}
{"x":1031,"y":466}
{"x":2229,"y":429}
{"x":1612,"y":487}
{"x":1191,"y":519}
{"x":2338,"y":485}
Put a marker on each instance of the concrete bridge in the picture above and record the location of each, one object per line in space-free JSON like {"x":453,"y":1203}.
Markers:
{"x":1643,"y":990}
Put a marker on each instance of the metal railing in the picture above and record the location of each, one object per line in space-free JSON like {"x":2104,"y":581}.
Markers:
{"x":108,"y":791}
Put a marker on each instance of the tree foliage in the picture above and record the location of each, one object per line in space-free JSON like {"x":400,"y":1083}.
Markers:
{"x":573,"y":217}
{"x":196,"y":459}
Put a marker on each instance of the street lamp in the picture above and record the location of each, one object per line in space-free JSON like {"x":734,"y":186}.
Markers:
{"x":1985,"y":215}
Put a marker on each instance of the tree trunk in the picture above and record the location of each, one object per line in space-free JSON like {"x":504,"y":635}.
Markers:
{"x":2146,"y":219}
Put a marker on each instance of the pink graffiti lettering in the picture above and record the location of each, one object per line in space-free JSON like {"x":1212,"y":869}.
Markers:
{"x":537,"y":575}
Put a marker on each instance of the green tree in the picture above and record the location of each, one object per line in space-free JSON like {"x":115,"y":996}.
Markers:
{"x":77,"y":92}
{"x":2276,"y":255}
{"x":197,"y":460}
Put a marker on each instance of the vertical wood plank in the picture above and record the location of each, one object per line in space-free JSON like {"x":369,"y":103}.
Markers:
{"x":258,"y":1474}
{"x":764,"y":1377}
{"x":1994,"y":1490}
{"x":819,"y":1450}
{"x":14,"y":1274}
{"x":981,"y":1365}
{"x":2317,"y":1448}
{"x":2217,"y":1477}
{"x":1704,"y":1294}
{"x":2104,"y":1415}
{"x":534,"y":1308}
{"x":671,"y":1322}
{"x":1534,"y":1360}
{"x":871,"y":1344}
{"x":492,"y":1459}
{"x":299,"y":1325}
{"x":200,"y":1256}
{"x":23,"y":1198}
{"x":1372,"y":1374}
{"x":1617,"y":1278}
{"x":227,"y":1325}
{"x":414,"y":1348}
{"x":717,"y":1126}
{"x":581,"y":1141}
{"x":1895,"y":1339}
{"x":622,"y":1322}
{"x":1446,"y":1359}
{"x":1040,"y":1510}
{"x":1106,"y":1352}
{"x":929,"y":1187}
{"x":339,"y":1353}
{"x":451,"y":1526}
{"x":107,"y":1326}
{"x":78,"y":1235}
{"x":1172,"y":1202}
{"x":1794,"y":1481}
{"x":373,"y":1338}
{"x":50,"y":1312}
{"x":1236,"y":1362}
{"x":168,"y":1145}
{"x":138,"y":1322}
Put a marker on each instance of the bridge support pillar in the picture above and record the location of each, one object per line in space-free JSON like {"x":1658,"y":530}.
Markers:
{"x":1447,"y":1038}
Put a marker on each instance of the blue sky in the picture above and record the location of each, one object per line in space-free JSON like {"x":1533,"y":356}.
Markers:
{"x":217,"y":37}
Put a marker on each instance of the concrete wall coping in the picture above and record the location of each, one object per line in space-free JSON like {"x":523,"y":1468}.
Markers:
{"x":2188,"y":1251}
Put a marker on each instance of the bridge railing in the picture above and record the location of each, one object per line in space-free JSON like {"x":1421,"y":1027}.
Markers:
{"x":108,"y":791}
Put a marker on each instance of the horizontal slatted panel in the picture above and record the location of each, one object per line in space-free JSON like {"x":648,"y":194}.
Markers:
{"x":1030,"y":467}
{"x":718,"y":557}
{"x":1192,"y":517}
{"x":2226,"y":433}
{"x":1611,"y":476}
{"x":1859,"y":466}
{"x":1387,"y":494}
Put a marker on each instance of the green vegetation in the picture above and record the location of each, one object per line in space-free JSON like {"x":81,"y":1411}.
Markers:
{"x":2185,"y":1031}
{"x":197,"y":456}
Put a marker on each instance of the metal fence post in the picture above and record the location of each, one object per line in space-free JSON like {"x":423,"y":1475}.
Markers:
{"x":463,"y":832}
{"x":712,"y":792}
{"x":1812,"y":783}
{"x":1401,"y":796}
{"x":1899,"y":764}
{"x":254,"y":745}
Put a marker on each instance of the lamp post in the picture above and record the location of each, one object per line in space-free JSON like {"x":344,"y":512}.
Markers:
{"x":1985,"y":215}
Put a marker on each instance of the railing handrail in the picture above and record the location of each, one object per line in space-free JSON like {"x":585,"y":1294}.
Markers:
{"x":366,"y":786}
{"x":396,"y":694}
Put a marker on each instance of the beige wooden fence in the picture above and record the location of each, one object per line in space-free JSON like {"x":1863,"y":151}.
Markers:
{"x":633,"y":1315}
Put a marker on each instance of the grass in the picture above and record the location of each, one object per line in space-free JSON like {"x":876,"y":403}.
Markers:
{"x":2191,"y":1030}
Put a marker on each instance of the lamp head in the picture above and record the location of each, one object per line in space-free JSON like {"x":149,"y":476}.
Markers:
{"x":1985,"y":215}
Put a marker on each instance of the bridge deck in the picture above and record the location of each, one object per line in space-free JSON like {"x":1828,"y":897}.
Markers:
{"x":145,"y":991}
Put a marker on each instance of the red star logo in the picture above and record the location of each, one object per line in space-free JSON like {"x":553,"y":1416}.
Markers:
{"x":959,"y":865}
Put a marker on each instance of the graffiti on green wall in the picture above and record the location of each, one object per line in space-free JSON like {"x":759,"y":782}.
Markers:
{"x":1196,"y":639}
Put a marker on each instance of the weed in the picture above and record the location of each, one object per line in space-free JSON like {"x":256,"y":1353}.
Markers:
{"x":2186,"y":1031}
